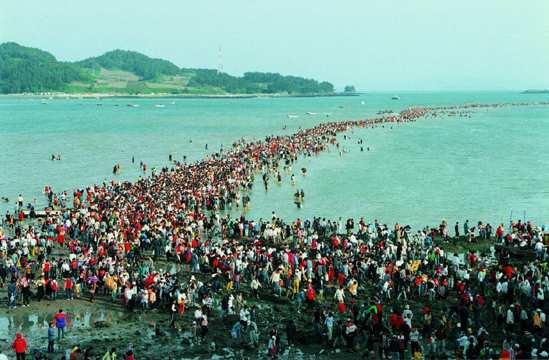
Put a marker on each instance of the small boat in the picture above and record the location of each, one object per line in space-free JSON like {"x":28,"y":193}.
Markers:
{"x":363,"y":102}
{"x":159,"y":105}
{"x":395,"y":97}
{"x":311,"y":113}
{"x":133,"y":105}
{"x":173,"y":102}
{"x":292,"y":116}
{"x":44,"y":101}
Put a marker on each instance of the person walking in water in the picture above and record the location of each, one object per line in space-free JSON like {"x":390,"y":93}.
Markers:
{"x":20,"y":201}
{"x":51,"y":337}
{"x":60,"y":322}
{"x":12,"y":294}
{"x":173,"y":315}
{"x":19,"y":345}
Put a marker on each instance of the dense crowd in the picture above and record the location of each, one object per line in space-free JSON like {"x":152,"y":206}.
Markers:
{"x":384,"y":290}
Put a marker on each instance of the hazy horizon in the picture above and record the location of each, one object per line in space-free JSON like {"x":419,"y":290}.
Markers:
{"x":375,"y":46}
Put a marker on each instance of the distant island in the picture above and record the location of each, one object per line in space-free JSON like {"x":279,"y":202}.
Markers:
{"x":26,"y":70}
{"x":536,"y":91}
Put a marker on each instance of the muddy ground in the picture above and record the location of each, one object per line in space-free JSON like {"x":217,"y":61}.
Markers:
{"x":103,"y":324}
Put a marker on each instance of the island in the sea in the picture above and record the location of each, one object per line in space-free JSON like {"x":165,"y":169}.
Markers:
{"x":536,"y":91}
{"x":25,"y":70}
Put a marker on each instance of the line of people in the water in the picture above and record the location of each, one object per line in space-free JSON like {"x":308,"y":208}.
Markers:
{"x":175,"y":214}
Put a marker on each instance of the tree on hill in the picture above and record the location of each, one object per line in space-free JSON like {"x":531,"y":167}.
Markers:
{"x":145,"y":67}
{"x":25,"y":69}
{"x":349,"y":89}
{"x":258,"y":82}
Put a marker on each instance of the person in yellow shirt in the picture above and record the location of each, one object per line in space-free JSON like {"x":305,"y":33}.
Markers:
{"x":296,"y":282}
{"x":110,"y":355}
{"x":353,"y":287}
{"x":229,"y":286}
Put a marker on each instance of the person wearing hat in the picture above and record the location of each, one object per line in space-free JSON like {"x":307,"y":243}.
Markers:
{"x":19,"y":345}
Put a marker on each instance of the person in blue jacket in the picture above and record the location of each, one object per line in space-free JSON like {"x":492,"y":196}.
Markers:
{"x":51,"y":337}
{"x":60,"y":322}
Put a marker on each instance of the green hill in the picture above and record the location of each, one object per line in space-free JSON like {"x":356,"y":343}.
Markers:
{"x":131,"y":61}
{"x":24,"y":69}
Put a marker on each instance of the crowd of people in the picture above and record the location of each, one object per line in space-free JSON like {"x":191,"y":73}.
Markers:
{"x":385,"y":291}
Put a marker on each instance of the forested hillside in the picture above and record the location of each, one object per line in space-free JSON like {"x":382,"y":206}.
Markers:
{"x":30,"y":70}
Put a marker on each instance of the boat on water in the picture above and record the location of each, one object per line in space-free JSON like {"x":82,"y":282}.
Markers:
{"x":292,"y":116}
{"x":44,"y":101}
{"x":311,"y":113}
{"x":159,"y":105}
{"x":133,"y":105}
{"x":395,"y":97}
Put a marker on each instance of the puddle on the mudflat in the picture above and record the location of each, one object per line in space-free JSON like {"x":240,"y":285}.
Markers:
{"x":34,"y":325}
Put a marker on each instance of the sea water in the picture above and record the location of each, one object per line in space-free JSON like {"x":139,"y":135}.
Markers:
{"x":488,"y":167}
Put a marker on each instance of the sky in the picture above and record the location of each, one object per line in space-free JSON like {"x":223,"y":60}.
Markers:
{"x":374,"y":45}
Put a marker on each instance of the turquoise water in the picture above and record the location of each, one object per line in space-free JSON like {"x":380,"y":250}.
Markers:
{"x":479,"y":168}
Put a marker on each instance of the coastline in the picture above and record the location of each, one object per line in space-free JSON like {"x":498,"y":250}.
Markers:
{"x":535,"y":91}
{"x":145,"y":327}
{"x":60,"y":95}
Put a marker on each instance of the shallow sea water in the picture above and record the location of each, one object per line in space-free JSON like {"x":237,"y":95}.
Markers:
{"x":485,"y":167}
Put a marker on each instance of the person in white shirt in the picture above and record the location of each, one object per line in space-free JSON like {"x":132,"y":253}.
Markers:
{"x":340,"y":295}
{"x":255,"y":285}
{"x":244,"y":314}
{"x":407,"y":314}
{"x":198,"y":315}
{"x":510,"y":318}
{"x":329,"y":322}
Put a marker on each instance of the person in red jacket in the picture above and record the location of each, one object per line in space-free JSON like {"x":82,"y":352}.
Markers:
{"x":19,"y":345}
{"x":310,"y":295}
